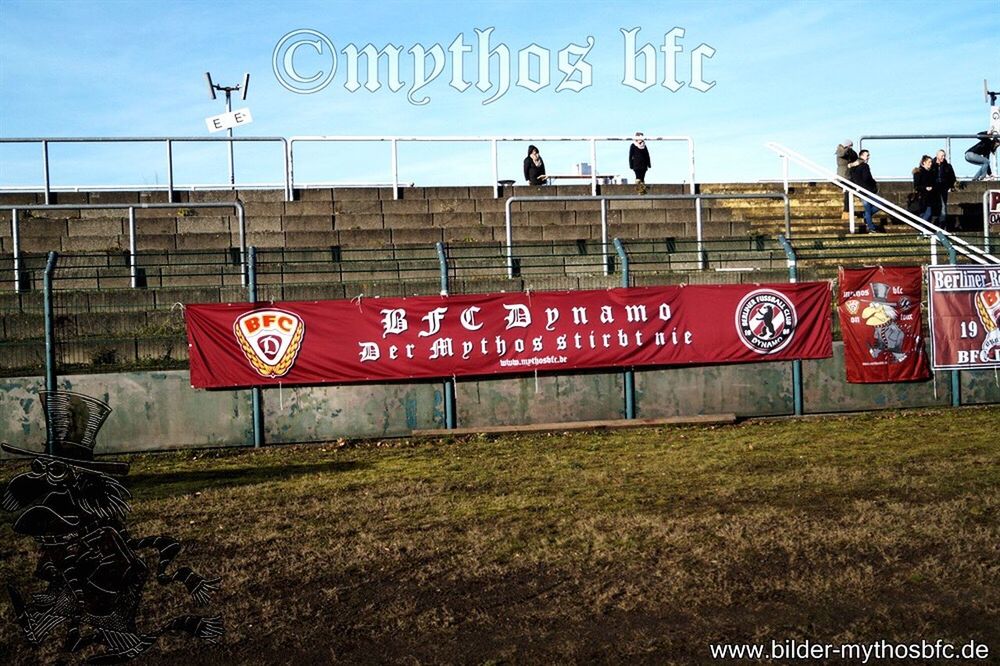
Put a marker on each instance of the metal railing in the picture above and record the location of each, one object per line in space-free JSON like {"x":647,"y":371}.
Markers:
{"x":913,"y":137}
{"x":925,"y":228}
{"x":604,"y":199}
{"x":492,"y":141}
{"x":168,"y":142}
{"x":15,"y":228}
{"x":288,"y":153}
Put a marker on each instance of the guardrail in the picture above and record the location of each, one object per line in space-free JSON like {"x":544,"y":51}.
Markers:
{"x":168,"y":142}
{"x":15,"y":229}
{"x":289,"y":158}
{"x":604,"y":199}
{"x":394,"y":142}
{"x":925,"y":228}
{"x":912,"y":137}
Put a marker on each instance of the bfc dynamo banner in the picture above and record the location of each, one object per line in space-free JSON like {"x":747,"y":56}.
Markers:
{"x":880,"y":323}
{"x":381,"y":339}
{"x":965,"y":316}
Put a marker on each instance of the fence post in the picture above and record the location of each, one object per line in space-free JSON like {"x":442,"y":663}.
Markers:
{"x":956,"y":383}
{"x":16,"y":249}
{"x":256,"y":408}
{"x":50,"y":350}
{"x":797,"y":364}
{"x":629,"y":374}
{"x":45,"y":170}
{"x":170,"y":171}
{"x":133,"y":281}
{"x":449,"y":386}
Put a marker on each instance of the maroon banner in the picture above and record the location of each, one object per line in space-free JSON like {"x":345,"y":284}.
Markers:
{"x":379,"y":339}
{"x":965,"y":316}
{"x":880,"y":322}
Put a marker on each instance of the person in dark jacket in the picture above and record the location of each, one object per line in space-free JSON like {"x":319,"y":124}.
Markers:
{"x":944,"y":181}
{"x":534,"y":167}
{"x":980,"y":154}
{"x":861,"y":175}
{"x":639,"y":161}
{"x":923,"y":185}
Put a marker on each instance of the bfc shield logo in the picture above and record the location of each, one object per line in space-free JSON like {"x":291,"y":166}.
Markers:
{"x":765,"y":321}
{"x":270,"y":339}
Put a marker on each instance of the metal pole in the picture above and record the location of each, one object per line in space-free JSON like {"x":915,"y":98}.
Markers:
{"x":443,"y":267}
{"x":50,"y":353}
{"x":986,"y":221}
{"x":496,"y":169}
{"x":691,"y":153}
{"x":510,"y":239}
{"x":796,"y":365}
{"x":604,"y":234}
{"x":629,"y":374}
{"x":449,"y":404}
{"x":788,"y":216}
{"x":956,"y":380}
{"x":697,"y":222}
{"x":16,"y":249}
{"x":290,"y":171}
{"x":395,"y":170}
{"x":242,"y":224}
{"x":50,"y":350}
{"x":850,"y":212}
{"x":593,"y":167}
{"x":45,"y":172}
{"x":257,"y":411}
{"x":170,"y":171}
{"x":131,"y":246}
{"x":232,"y":168}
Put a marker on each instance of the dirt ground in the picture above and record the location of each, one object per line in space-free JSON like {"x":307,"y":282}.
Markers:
{"x":639,"y":546}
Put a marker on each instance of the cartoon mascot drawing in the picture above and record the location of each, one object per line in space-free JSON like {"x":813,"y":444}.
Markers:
{"x":74,"y":507}
{"x":882,"y":315}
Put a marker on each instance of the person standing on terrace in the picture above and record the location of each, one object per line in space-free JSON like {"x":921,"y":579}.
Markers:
{"x":861,"y":176}
{"x":944,"y":180}
{"x":923,"y":185}
{"x":534,"y":167}
{"x":639,"y":161}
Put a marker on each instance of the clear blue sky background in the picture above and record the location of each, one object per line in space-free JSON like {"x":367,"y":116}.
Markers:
{"x":807,"y":74}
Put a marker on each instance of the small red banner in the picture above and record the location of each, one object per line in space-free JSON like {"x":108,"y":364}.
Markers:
{"x":880,"y":323}
{"x":965,"y":316}
{"x":382,"y":339}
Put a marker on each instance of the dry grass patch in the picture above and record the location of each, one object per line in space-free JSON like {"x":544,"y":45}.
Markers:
{"x":612,"y":546}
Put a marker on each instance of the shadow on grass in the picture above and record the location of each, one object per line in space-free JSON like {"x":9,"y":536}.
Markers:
{"x":168,"y":484}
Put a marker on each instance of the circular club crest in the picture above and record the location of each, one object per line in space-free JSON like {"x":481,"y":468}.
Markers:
{"x":765,"y":321}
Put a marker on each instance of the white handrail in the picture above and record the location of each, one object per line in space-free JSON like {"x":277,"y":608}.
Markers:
{"x":927,"y":229}
{"x":492,"y":142}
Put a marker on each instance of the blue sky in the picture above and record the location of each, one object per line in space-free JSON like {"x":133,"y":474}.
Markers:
{"x":806,"y":74}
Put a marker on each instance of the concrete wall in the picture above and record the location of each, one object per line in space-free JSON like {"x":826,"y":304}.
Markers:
{"x":159,"y":410}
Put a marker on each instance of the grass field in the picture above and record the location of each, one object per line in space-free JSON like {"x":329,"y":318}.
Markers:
{"x":619,"y":546}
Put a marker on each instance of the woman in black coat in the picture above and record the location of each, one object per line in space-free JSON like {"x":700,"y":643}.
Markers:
{"x":639,"y":161}
{"x":923,"y":185}
{"x":534,"y":167}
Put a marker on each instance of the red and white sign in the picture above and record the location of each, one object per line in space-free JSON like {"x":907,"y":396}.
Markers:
{"x":993,"y":208}
{"x":965,"y":316}
{"x":384,"y":339}
{"x":880,"y":323}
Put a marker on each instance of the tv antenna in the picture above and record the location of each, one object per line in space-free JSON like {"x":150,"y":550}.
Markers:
{"x":229,"y":90}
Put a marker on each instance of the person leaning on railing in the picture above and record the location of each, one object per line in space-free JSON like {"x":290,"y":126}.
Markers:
{"x":980,"y":154}
{"x":847,"y":159}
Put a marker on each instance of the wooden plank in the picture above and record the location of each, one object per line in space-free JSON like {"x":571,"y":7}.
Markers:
{"x":573,"y":426}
